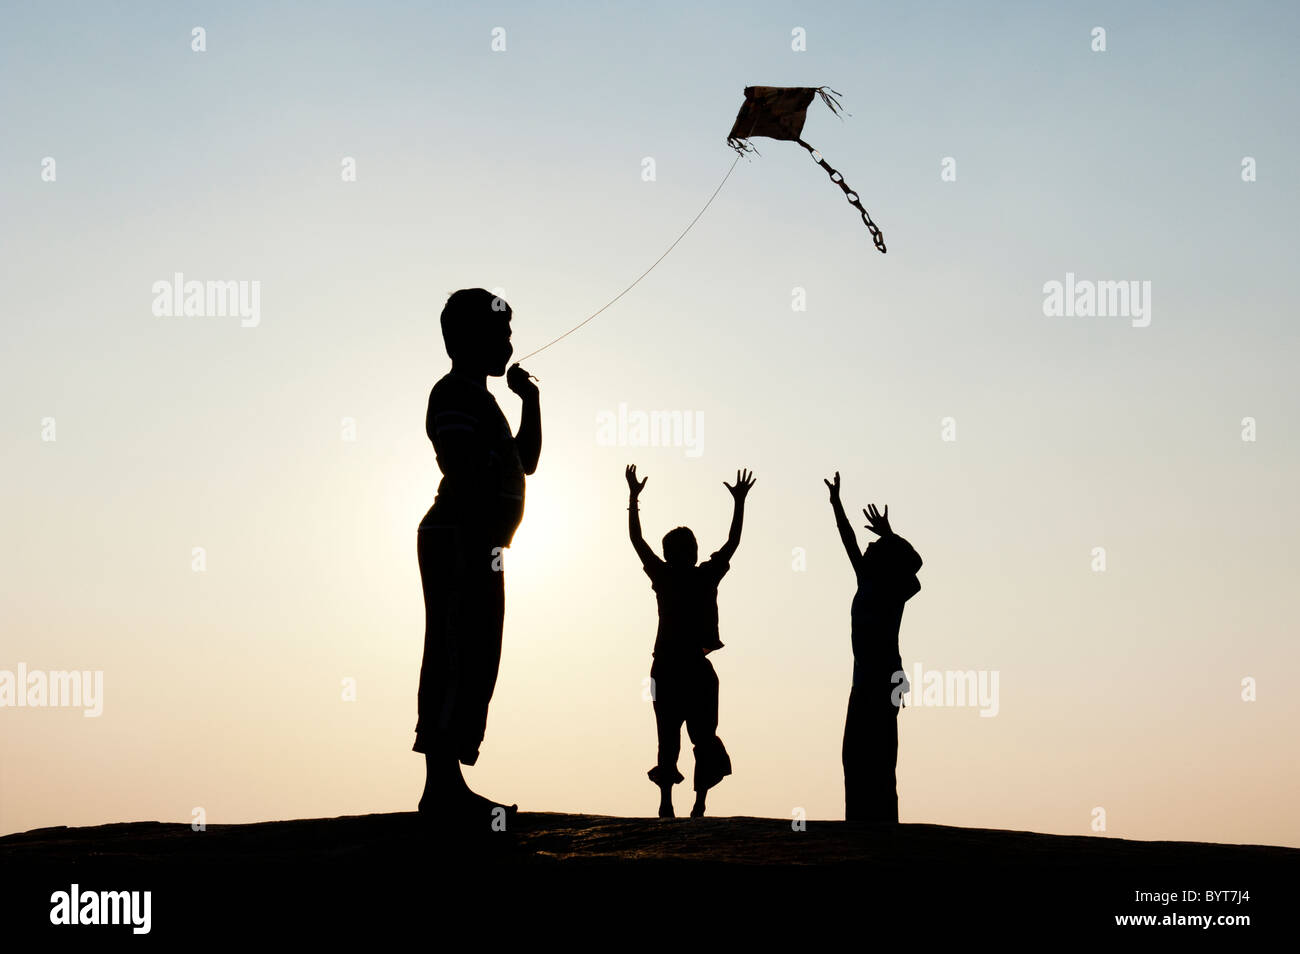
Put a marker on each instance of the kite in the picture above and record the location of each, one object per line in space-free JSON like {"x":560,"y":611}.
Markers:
{"x":778,"y":112}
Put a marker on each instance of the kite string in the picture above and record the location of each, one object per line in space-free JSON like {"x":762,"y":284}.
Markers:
{"x":643,"y":274}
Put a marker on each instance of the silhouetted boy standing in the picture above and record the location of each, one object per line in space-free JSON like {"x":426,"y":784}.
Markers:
{"x":684,"y":685}
{"x":886,"y":573}
{"x":479,"y":505}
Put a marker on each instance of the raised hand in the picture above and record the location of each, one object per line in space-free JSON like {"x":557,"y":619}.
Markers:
{"x":877,"y":522}
{"x":520,"y":381}
{"x":834,"y":488}
{"x":744,"y":480}
{"x":633,"y":486}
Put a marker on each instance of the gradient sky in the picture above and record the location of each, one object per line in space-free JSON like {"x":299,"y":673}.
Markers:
{"x":521,"y":170}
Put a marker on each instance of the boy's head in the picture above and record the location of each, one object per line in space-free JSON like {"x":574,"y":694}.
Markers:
{"x":680,"y":548}
{"x":476,"y":330}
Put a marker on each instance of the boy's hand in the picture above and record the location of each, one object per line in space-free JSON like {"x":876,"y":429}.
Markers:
{"x":633,"y":486}
{"x":744,"y":480}
{"x":877,"y":522}
{"x":834,"y":488}
{"x":517,"y":379}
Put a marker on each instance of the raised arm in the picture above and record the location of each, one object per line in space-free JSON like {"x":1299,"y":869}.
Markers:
{"x":744,"y":481}
{"x":648,"y":556}
{"x":529,"y":439}
{"x":847,"y":535}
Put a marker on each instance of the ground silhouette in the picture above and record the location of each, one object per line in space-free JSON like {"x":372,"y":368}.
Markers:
{"x":562,"y":873}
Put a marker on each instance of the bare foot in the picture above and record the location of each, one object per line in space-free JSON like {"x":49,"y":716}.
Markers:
{"x":666,"y":807}
{"x":470,"y":807}
{"x":479,"y":804}
{"x":697,"y":810}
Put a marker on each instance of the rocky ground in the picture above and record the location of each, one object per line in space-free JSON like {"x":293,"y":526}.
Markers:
{"x":754,"y":876}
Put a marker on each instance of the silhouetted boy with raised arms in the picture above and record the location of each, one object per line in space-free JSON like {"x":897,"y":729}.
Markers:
{"x":460,"y":541}
{"x":886,"y":573}
{"x":683,"y":683}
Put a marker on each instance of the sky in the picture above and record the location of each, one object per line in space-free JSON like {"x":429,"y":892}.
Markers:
{"x":1105,"y":504}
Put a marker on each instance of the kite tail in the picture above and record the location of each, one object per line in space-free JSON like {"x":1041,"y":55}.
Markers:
{"x":876,"y":235}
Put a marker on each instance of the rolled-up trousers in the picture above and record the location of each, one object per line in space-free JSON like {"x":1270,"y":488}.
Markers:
{"x":687,"y":692}
{"x":464,"y":609}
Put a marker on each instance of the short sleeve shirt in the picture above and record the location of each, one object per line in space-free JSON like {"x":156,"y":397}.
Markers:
{"x":482,"y":485}
{"x":688,"y":607}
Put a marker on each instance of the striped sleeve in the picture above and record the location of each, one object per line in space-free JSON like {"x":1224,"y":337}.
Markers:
{"x":445,"y":422}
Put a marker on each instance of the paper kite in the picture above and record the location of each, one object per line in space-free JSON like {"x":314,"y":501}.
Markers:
{"x":778,"y":112}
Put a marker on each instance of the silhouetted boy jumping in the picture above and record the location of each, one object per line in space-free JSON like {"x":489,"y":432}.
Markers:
{"x":886,"y":573}
{"x":683,"y":683}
